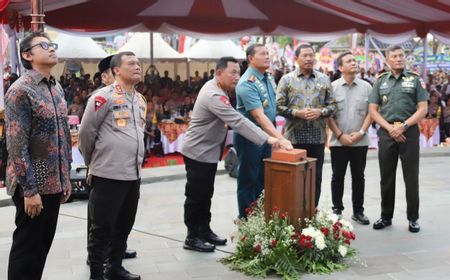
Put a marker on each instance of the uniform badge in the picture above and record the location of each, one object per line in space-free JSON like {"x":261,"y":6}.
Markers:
{"x":252,"y":78}
{"x":121,"y":122}
{"x":119,"y":101}
{"x":385,"y":99}
{"x":422,"y":83}
{"x":225,"y":100}
{"x":98,"y":102}
{"x":265,"y":103}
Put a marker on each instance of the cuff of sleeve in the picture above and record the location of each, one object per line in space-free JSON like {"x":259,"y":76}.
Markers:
{"x":30,"y":192}
{"x":294,"y":113}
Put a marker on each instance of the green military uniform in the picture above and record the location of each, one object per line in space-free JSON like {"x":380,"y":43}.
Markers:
{"x":397,"y":99}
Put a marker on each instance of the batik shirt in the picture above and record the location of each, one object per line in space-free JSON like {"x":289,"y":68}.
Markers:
{"x":296,"y":92}
{"x":37,"y":136}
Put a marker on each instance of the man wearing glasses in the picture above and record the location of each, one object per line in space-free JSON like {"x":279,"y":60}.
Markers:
{"x":39,"y":147}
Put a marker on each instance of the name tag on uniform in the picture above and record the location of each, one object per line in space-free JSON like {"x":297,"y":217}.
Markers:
{"x":407,"y":84}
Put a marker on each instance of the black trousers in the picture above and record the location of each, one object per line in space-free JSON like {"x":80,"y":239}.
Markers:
{"x":112,"y":210}
{"x":32,"y":238}
{"x":315,"y":151}
{"x":199,"y":192}
{"x":340,"y":158}
{"x":388,"y":153}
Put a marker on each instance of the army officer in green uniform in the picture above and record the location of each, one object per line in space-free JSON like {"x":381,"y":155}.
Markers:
{"x":397,"y":103}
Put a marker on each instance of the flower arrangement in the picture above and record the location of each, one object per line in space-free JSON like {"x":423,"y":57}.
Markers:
{"x":269,"y":246}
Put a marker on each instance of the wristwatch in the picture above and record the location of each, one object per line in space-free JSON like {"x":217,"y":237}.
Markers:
{"x":405,"y":125}
{"x":362,"y":132}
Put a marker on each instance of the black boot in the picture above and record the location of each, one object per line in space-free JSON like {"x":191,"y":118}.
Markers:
{"x":207,"y":234}
{"x":119,"y":273}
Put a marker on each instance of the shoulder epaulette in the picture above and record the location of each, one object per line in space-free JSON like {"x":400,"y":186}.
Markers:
{"x":251,"y":79}
{"x":381,"y":75}
{"x":414,"y":73}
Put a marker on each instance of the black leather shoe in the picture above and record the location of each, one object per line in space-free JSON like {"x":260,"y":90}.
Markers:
{"x":98,"y":278}
{"x":120,"y":274}
{"x":129,"y":254}
{"x":198,"y":244}
{"x":337,"y":211}
{"x":213,"y":238}
{"x":414,"y":226}
{"x":360,"y":218}
{"x":382,"y":223}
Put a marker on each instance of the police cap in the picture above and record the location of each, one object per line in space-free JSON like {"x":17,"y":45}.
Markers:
{"x":104,"y":64}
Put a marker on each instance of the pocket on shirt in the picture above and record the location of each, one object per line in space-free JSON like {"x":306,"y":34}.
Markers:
{"x":121,"y":120}
{"x":362,"y":107}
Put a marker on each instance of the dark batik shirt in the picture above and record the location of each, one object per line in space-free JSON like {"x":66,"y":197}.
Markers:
{"x":37,"y":136}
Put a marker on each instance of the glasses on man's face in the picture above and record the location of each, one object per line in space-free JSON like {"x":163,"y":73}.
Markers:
{"x":44,"y":45}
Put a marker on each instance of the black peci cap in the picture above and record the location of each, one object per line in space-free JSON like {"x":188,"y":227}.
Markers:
{"x":104,"y":64}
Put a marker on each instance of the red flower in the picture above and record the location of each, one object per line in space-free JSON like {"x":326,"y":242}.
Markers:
{"x":336,"y":236}
{"x":325,"y":231}
{"x":347,"y":241}
{"x":346,"y":234}
{"x":244,"y":238}
{"x":337,"y":224}
{"x":352,"y":235}
{"x":248,"y":211}
{"x":253,"y":204}
{"x":275,"y":209}
{"x":257,"y":248}
{"x":308,"y":237}
{"x":274,"y":243}
{"x":283,"y":215}
{"x":309,"y":245}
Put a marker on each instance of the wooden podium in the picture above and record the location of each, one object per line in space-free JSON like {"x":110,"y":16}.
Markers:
{"x":291,"y":187}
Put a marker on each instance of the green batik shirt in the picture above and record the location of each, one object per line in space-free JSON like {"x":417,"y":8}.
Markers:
{"x":296,"y":92}
{"x":398,"y":97}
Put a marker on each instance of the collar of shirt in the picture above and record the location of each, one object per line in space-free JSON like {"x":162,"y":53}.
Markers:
{"x":256,"y":73}
{"x":404,"y":73}
{"x":119,"y":89}
{"x":38,"y":77}
{"x":299,"y":73}
{"x":343,"y":82}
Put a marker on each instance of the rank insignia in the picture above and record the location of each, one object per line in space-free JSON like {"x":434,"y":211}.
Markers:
{"x":98,"y":102}
{"x":119,"y":89}
{"x":225,"y":100}
{"x":265,"y":103}
{"x":252,"y":79}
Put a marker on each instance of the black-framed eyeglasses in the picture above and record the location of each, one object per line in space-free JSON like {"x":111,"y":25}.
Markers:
{"x":44,"y":45}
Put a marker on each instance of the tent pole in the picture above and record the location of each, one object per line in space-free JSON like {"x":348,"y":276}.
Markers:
{"x":37,"y":15}
{"x":2,"y":85}
{"x":378,"y":49}
{"x":188,"y":74}
{"x":425,"y":52}
{"x":151,"y":48}
{"x":366,"y":51}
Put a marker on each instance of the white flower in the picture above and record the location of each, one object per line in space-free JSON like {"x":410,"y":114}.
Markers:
{"x":333,"y":218}
{"x":342,"y":250}
{"x":347,"y":224}
{"x":309,"y":231}
{"x":320,"y":241}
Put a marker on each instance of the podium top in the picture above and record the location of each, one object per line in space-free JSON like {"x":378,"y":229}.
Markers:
{"x":307,"y":160}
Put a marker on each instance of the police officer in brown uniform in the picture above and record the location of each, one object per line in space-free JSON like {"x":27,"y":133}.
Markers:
{"x":107,"y":77}
{"x":111,"y":142}
{"x":397,"y":103}
{"x":202,"y":149}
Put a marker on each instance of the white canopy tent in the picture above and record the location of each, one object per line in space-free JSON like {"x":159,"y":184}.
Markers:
{"x":213,"y":50}
{"x":75,"y":47}
{"x":139,"y":43}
